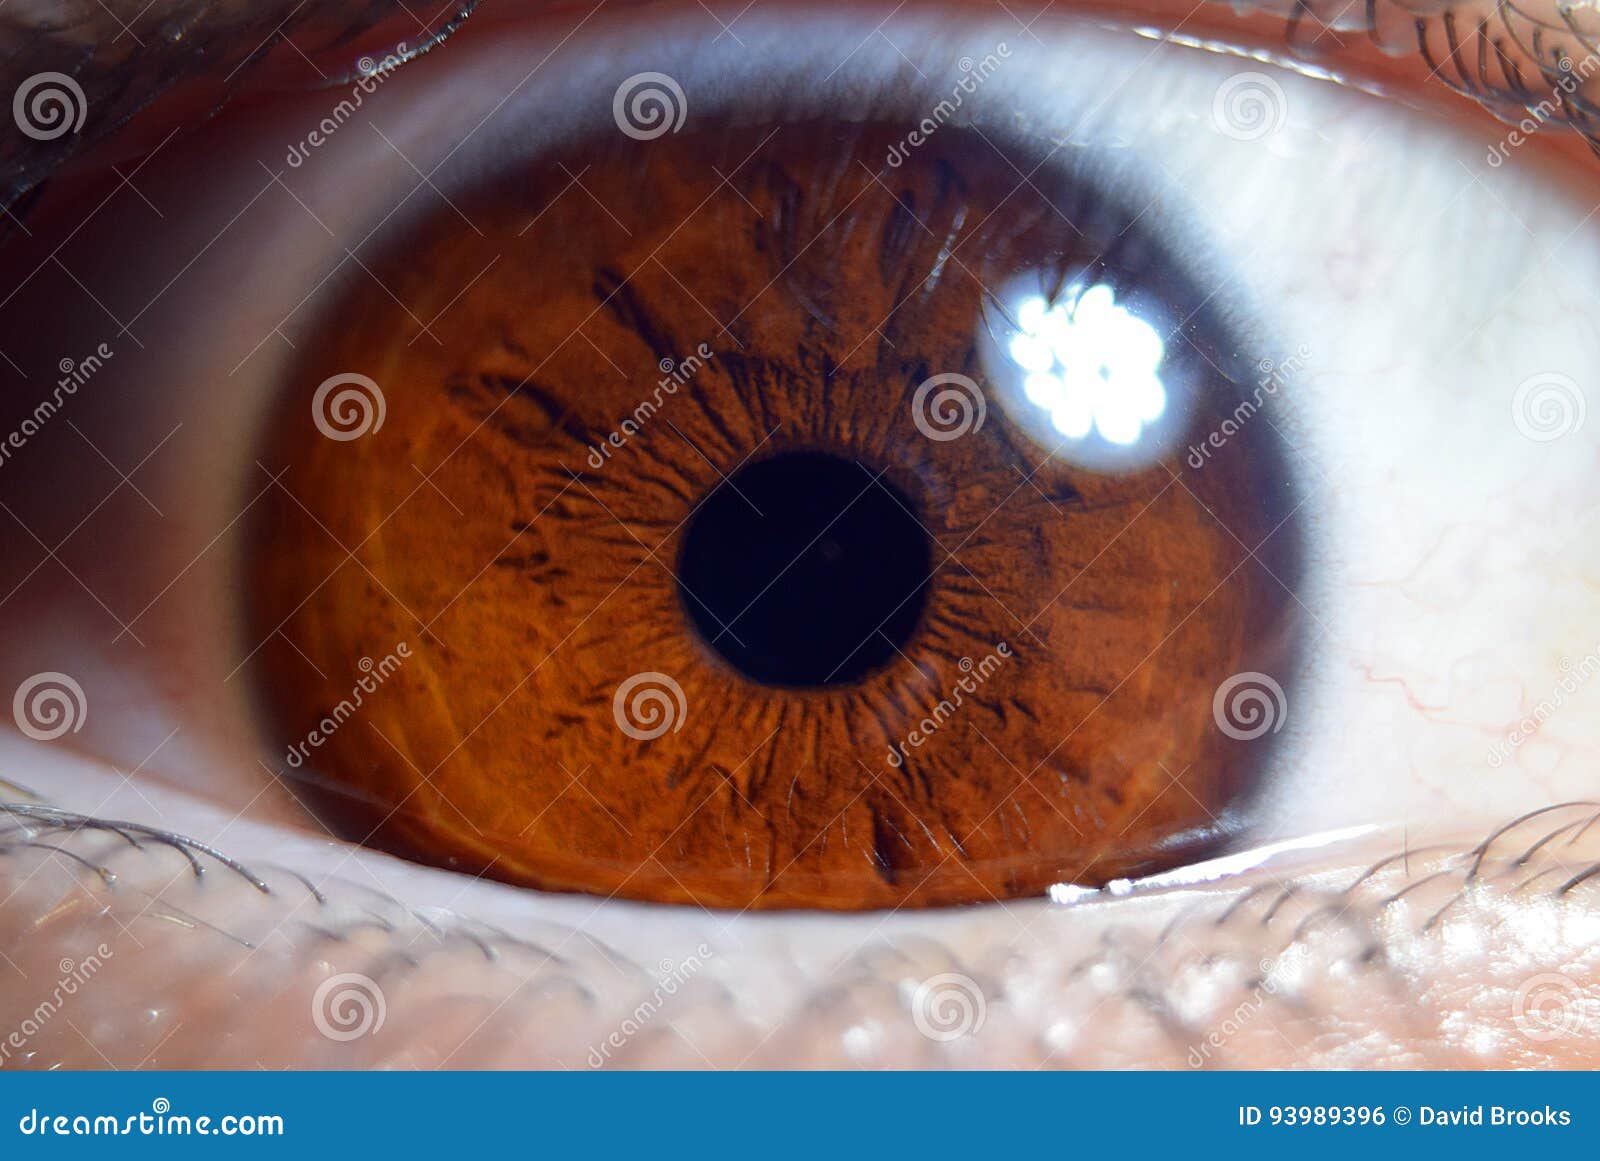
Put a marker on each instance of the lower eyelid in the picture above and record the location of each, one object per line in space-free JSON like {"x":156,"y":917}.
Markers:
{"x":1433,"y":957}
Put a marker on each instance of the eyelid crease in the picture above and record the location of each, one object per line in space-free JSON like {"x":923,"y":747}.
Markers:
{"x":460,"y":993}
{"x":1515,"y":58}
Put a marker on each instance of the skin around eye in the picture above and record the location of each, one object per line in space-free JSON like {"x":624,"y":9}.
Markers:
{"x":1374,"y":955}
{"x":1464,"y":609}
{"x":736,"y":615}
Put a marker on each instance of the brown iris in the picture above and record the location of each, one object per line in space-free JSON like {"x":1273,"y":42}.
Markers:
{"x":692,"y":608}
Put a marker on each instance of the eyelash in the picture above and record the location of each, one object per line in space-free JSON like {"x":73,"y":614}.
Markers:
{"x":314,"y":37}
{"x":492,"y":159}
{"x":1263,"y":947}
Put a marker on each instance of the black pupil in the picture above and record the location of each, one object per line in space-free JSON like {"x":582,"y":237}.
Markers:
{"x":805,"y":570}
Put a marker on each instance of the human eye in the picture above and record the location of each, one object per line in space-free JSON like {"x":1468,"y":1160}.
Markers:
{"x":1103,"y":504}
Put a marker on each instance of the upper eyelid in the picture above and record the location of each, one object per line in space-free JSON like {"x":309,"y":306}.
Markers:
{"x":1503,"y":54}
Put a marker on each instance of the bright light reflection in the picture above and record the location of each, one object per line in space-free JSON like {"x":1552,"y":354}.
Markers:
{"x":1211,"y":870}
{"x":1091,"y":364}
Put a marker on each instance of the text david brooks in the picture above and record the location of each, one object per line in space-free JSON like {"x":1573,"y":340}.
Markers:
{"x":1493,"y":1115}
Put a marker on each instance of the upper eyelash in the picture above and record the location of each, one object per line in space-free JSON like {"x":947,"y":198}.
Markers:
{"x":1486,"y":64}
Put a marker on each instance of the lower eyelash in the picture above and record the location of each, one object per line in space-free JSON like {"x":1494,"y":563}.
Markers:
{"x":1267,"y":944}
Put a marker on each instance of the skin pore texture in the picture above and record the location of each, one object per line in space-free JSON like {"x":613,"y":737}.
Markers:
{"x":1413,"y":931}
